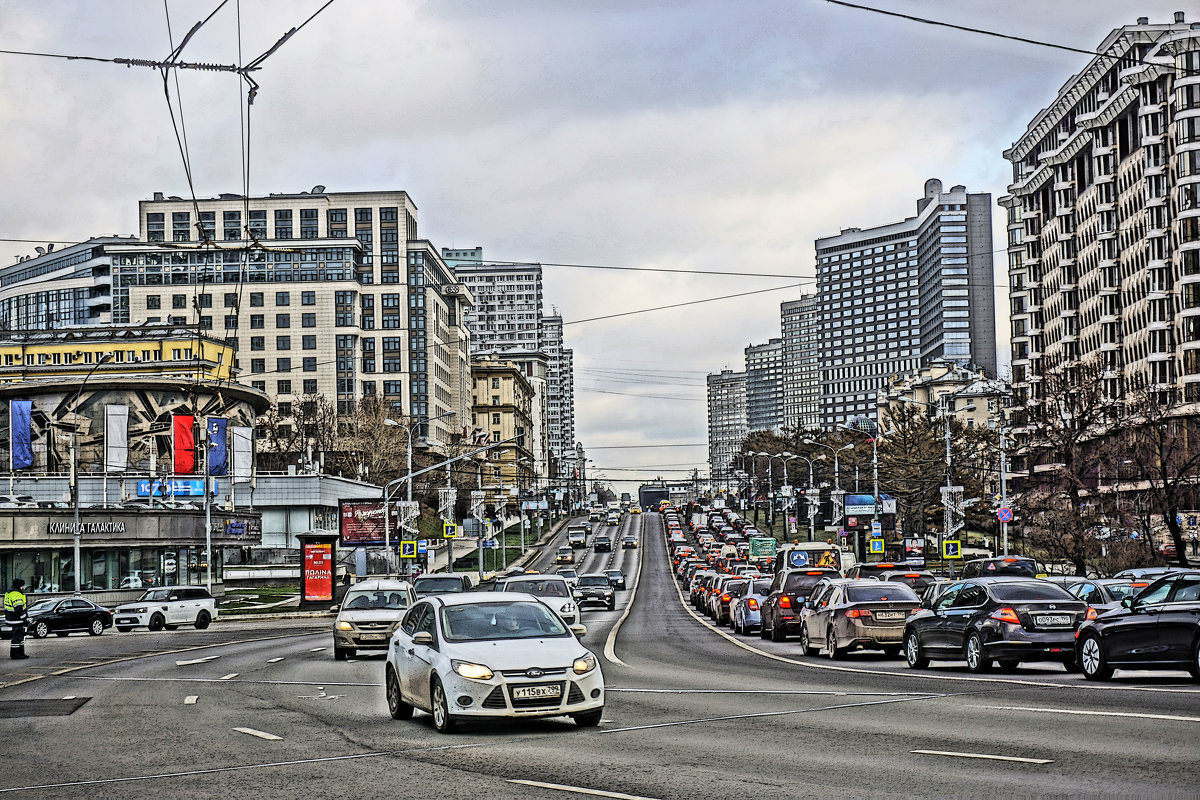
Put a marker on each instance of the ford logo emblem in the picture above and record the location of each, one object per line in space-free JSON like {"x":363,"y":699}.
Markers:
{"x":534,"y":673}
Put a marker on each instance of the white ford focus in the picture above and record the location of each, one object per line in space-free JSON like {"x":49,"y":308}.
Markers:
{"x":490,"y":654}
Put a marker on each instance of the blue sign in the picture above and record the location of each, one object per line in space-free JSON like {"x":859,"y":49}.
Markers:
{"x":859,"y":504}
{"x":180,"y":487}
{"x":422,"y":546}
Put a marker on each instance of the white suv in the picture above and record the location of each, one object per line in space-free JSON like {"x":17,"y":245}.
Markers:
{"x":553,"y":590}
{"x":167,"y":607}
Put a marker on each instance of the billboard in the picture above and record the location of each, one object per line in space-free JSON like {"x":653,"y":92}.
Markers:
{"x":318,"y":572}
{"x":360,"y":523}
{"x":859,"y":504}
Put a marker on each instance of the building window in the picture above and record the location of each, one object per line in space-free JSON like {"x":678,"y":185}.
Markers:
{"x":259,"y":385}
{"x":231,"y":322}
{"x":256,"y":299}
{"x":283,"y":343}
{"x":283,"y":320}
{"x":153,"y":301}
{"x":308,"y":298}
{"x":310,"y":364}
{"x":310,"y":385}
{"x":283,"y":365}
{"x":258,"y":343}
{"x":283,"y":299}
{"x":309,"y":342}
{"x":258,"y":365}
{"x":308,"y":320}
{"x":284,"y":387}
{"x":257,"y":321}
{"x":179,"y":301}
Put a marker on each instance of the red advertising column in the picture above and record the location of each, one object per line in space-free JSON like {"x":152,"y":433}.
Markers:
{"x":317,"y":569}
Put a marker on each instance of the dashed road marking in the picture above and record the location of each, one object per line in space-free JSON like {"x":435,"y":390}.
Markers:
{"x":191,"y":699}
{"x":274,"y":660}
{"x":1082,"y":713}
{"x":580,"y":790}
{"x":270,"y":737}
{"x":316,"y":649}
{"x":229,"y":676}
{"x":189,"y":662}
{"x":986,"y":756}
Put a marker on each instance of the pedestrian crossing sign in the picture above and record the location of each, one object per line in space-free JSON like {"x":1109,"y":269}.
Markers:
{"x":449,"y":530}
{"x":408,"y":549}
{"x":952,"y":548}
{"x":877,"y":545}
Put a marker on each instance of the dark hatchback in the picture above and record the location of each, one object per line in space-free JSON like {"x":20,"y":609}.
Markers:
{"x":781,"y":608}
{"x":1019,"y":566}
{"x":1158,"y":628}
{"x":1009,"y":620}
{"x":68,"y":615}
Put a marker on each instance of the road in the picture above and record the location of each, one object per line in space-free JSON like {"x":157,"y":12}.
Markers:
{"x":261,"y":709}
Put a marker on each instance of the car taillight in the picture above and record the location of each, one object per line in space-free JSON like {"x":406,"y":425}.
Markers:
{"x":1006,"y":615}
{"x":785,"y":602}
{"x":855,"y":613}
{"x":725,"y":598}
{"x":753,"y":604}
{"x":1091,"y":613}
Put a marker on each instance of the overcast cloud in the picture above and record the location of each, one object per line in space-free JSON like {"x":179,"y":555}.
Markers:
{"x":694,"y":134}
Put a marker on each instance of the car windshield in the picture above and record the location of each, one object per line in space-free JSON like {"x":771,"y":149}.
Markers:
{"x":541,"y":588}
{"x":478,"y":621}
{"x":616,"y":573}
{"x":155,"y":594}
{"x":1030,"y":591}
{"x":594,"y":580}
{"x":801,"y":582}
{"x":867,"y":593}
{"x":438,"y":585}
{"x":375,"y":599}
{"x":1007,"y":567}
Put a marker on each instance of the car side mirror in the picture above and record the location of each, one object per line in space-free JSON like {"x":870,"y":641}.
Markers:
{"x":335,"y":608}
{"x":173,"y":597}
{"x":423,"y":637}
{"x":580,"y":631}
{"x":809,"y":604}
{"x":1128,"y":603}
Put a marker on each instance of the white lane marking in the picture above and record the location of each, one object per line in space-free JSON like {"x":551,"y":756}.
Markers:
{"x":912,"y":673}
{"x":580,"y":790}
{"x":270,"y":737}
{"x":203,"y":660}
{"x":228,"y":677}
{"x":274,"y":660}
{"x":191,"y":699}
{"x":1170,"y":717}
{"x":766,"y":691}
{"x":215,"y":680}
{"x":69,"y":697}
{"x":773,"y":713}
{"x":987,"y":756}
{"x":316,"y":649}
{"x":610,"y":652}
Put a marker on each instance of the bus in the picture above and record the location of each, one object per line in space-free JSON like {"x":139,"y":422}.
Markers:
{"x":799,"y":555}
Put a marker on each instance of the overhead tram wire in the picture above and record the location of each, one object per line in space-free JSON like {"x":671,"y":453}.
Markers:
{"x":678,"y":305}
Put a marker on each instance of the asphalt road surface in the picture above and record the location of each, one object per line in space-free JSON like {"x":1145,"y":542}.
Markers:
{"x":262,"y":710}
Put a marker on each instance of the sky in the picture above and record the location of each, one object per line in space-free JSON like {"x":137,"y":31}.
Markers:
{"x":707,"y":135}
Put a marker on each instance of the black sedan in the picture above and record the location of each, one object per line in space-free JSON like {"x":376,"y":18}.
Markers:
{"x":1009,"y":620}
{"x":66,"y":615}
{"x":616,"y":577}
{"x":1158,"y":628}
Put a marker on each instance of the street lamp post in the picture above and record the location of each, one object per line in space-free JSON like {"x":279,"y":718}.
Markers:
{"x":837,"y":484}
{"x":874,"y":487}
{"x":413,"y":426}
{"x":78,"y":546}
{"x":943,"y":406}
{"x":811,"y":508}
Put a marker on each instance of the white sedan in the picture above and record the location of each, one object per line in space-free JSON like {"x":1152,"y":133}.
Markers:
{"x":490,"y":654}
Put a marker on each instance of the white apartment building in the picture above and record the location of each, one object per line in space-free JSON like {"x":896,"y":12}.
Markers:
{"x":898,"y":296}
{"x":1104,"y":219}
{"x":765,"y":386}
{"x":727,"y":425}
{"x":801,"y":362}
{"x":322,"y":293}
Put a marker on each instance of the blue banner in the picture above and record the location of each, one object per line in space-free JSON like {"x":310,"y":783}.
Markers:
{"x":218,"y":446}
{"x":180,"y":487}
{"x":20,"y":414}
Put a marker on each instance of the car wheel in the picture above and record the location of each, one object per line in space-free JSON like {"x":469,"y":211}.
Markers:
{"x":157,"y":622}
{"x":97,"y":627}
{"x":589,"y":719}
{"x":976,"y":660}
{"x":202,"y":620}
{"x":395,"y":700}
{"x":763,"y":631}
{"x":1091,"y":659}
{"x":442,"y":719}
{"x":41,"y":630}
{"x":912,"y":651}
{"x":835,"y":652}
{"x":124,"y":628}
{"x":1194,"y":667}
{"x":806,"y":643}
{"x":892,"y":650}
{"x":612,"y":606}
{"x":340,"y":653}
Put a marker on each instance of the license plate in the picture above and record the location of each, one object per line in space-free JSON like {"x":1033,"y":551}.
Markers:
{"x":1053,"y":619}
{"x":890,"y":615}
{"x":535,"y":692}
{"x":372,"y":637}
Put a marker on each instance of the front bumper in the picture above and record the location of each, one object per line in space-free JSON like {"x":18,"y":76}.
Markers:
{"x":594,"y":600}
{"x":128,"y":620}
{"x":493,"y":698}
{"x":361,"y":640}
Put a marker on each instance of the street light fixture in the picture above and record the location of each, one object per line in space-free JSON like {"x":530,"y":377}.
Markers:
{"x":77,"y":554}
{"x":412,"y":426}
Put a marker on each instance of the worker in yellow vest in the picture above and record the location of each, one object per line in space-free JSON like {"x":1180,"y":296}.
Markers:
{"x":15,"y":616}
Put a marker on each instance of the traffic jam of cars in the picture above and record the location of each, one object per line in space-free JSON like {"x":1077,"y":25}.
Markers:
{"x":997,"y":612}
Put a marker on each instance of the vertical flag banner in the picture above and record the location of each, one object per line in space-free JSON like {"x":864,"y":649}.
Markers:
{"x":20,"y":414}
{"x":116,"y":438}
{"x":243,"y":453}
{"x":184,"y":445}
{"x":218,"y":446}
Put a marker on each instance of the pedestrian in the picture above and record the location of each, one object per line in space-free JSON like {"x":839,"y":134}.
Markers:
{"x":15,"y":616}
{"x":1195,"y":543}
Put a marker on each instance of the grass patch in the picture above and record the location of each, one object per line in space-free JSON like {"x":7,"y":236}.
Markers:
{"x":252,"y":600}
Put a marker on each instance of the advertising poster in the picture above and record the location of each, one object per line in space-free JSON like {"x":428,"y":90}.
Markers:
{"x":360,"y":523}
{"x":318,"y":572}
{"x":914,"y":550}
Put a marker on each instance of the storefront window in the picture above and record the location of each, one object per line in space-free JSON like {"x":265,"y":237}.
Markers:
{"x":52,"y":570}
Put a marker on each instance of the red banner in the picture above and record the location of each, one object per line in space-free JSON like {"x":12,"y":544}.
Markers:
{"x":318,"y":572}
{"x":184,"y":445}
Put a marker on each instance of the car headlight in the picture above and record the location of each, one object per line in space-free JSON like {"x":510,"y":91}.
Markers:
{"x":567,"y":608}
{"x":476,"y":672}
{"x":344,"y":626}
{"x":140,"y":610}
{"x":584,"y":664}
